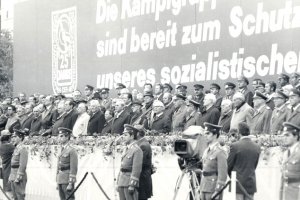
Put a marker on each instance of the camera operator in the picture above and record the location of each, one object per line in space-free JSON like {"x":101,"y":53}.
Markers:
{"x":214,"y":160}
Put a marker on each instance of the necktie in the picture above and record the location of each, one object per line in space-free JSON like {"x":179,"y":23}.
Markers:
{"x":289,"y":153}
{"x":292,"y":109}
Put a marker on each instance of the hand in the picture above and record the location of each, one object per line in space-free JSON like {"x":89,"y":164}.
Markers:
{"x":131,"y":190}
{"x":70,"y":187}
{"x":18,"y":178}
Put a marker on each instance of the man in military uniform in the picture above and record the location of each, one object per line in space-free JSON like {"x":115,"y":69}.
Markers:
{"x":167,"y":88}
{"x":178,"y":118}
{"x":229,"y":90}
{"x":294,"y":111}
{"x":199,"y":95}
{"x":106,"y":101}
{"x":131,"y":166}
{"x":214,"y":160}
{"x":192,"y":117}
{"x":18,"y":176}
{"x":283,"y":80}
{"x":280,"y":112}
{"x":67,"y":165}
{"x":261,"y":120}
{"x":291,"y":162}
{"x":243,"y":83}
{"x":215,"y":89}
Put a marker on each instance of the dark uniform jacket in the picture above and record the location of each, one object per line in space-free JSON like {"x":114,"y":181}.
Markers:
{"x":261,"y":121}
{"x":279,"y":115}
{"x":19,"y":163}
{"x":49,"y":117}
{"x":243,"y":158}
{"x":219,"y":102}
{"x":118,"y":122}
{"x":248,"y":96}
{"x":214,"y":169}
{"x":3,"y":121}
{"x":192,"y":119}
{"x":294,"y":115}
{"x":291,"y":173}
{"x":179,"y":119}
{"x":96,"y":123}
{"x":6,"y":152}
{"x":169,"y":109}
{"x":69,"y":119}
{"x":26,"y":122}
{"x":199,"y":99}
{"x":36,"y":125}
{"x":145,"y":188}
{"x":131,"y":166}
{"x":67,"y":165}
{"x":224,"y":121}
{"x":13,"y":122}
{"x":57,"y":124}
{"x":160,"y":123}
{"x":211,"y":115}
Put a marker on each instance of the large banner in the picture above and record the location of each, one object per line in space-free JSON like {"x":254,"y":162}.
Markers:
{"x":102,"y":42}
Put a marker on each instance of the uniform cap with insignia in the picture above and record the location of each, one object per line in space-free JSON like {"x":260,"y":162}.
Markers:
{"x":167,"y":85}
{"x":294,"y":92}
{"x":148,"y":93}
{"x":283,"y":76}
{"x":243,"y":78}
{"x":214,"y":129}
{"x":140,"y":128}
{"x":179,"y":96}
{"x":259,"y":95}
{"x":158,"y":103}
{"x":195,"y":103}
{"x":64,"y":131}
{"x":198,"y":86}
{"x":104,"y":90}
{"x":290,"y":128}
{"x":215,"y":85}
{"x":129,"y":128}
{"x":229,"y":85}
{"x":120,"y":86}
{"x":96,"y":95}
{"x":24,"y":102}
{"x":295,"y":75}
{"x":89,"y":87}
{"x":180,"y":86}
{"x":280,"y":94}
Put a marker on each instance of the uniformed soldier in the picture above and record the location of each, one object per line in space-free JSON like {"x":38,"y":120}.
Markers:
{"x":131,"y":166}
{"x":261,"y":120}
{"x":214,"y":160}
{"x":18,"y":176}
{"x":67,"y":165}
{"x":291,"y":162}
{"x":229,"y":90}
{"x":167,"y":88}
{"x":280,"y":112}
{"x":106,"y":101}
{"x":215,"y":89}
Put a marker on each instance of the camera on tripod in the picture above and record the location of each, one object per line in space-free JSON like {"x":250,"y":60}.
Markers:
{"x":192,"y":144}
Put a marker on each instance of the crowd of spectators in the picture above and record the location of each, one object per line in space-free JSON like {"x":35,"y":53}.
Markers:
{"x":160,"y":108}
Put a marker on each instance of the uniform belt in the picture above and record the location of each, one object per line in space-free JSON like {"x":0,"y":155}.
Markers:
{"x":292,"y":180}
{"x":64,"y":168}
{"x":126,"y":170}
{"x":210,"y":173}
{"x":15,"y":166}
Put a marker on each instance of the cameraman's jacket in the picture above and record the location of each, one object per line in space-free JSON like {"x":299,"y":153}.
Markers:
{"x":67,"y":165}
{"x":214,"y":169}
{"x":131,"y":166}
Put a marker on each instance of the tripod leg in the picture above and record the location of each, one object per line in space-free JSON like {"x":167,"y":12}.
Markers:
{"x":178,"y":184}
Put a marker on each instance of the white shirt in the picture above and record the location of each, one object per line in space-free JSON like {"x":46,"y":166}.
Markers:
{"x":81,"y":124}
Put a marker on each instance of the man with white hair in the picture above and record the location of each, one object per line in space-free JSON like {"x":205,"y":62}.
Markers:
{"x":210,"y":114}
{"x":157,"y":121}
{"x":120,"y":118}
{"x":81,"y":124}
{"x":97,"y":119}
{"x":242,"y":112}
{"x":226,"y":114}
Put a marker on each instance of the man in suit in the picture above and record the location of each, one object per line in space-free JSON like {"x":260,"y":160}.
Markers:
{"x":211,"y":114}
{"x":49,"y":115}
{"x":106,"y":101}
{"x":97,"y":119}
{"x":280,"y":112}
{"x":120,"y":118}
{"x":145,"y":187}
{"x":131,"y":166}
{"x":88,"y":91}
{"x":294,"y":111}
{"x":243,"y":82}
{"x":71,"y":115}
{"x":243,"y":159}
{"x":291,"y":162}
{"x":179,"y":115}
{"x":127,"y":98}
{"x":214,"y":173}
{"x":13,"y":121}
{"x":26,"y":122}
{"x":36,"y":123}
{"x":67,"y":165}
{"x":137,"y":116}
{"x":169,"y":105}
{"x":157,"y":121}
{"x":18,"y":176}
{"x":192,"y":114}
{"x":261,"y":119}
{"x":226,"y":114}
{"x":158,"y":92}
{"x":6,"y":152}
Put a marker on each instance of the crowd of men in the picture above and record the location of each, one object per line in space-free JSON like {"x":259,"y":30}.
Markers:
{"x":159,"y":109}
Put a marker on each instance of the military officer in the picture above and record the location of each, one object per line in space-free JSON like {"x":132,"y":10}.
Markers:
{"x":280,"y":112}
{"x":131,"y":165}
{"x":18,"y":176}
{"x":106,"y":101}
{"x":291,"y":162}
{"x":67,"y":165}
{"x":214,"y":160}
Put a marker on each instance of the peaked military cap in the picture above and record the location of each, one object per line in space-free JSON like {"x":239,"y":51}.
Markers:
{"x":229,"y":85}
{"x":259,"y":95}
{"x":243,"y":78}
{"x":64,"y":131}
{"x":198,"y":86}
{"x":195,"y":103}
{"x":150,"y":94}
{"x":284,"y":76}
{"x":294,"y":92}
{"x":128,"y":127}
{"x":215,"y":85}
{"x":167,"y":85}
{"x":137,"y":103}
{"x":181,"y":86}
{"x":89,"y":87}
{"x":104,"y":90}
{"x":215,"y":129}
{"x":290,"y":127}
{"x":96,"y":95}
{"x":280,"y":94}
{"x":120,"y":86}
{"x":180,"y":96}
